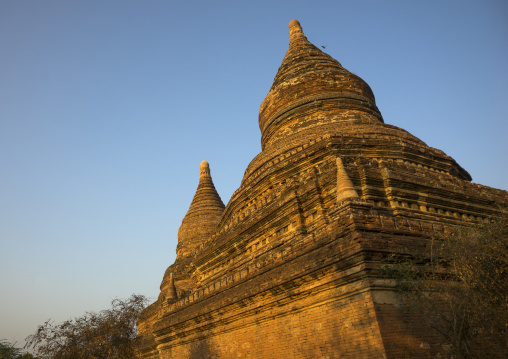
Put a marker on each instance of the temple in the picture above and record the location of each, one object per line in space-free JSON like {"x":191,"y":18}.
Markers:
{"x":288,"y":269}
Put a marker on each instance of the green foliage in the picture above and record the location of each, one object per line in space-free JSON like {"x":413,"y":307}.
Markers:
{"x":107,"y":334}
{"x":460,"y":289}
{"x":9,"y":351}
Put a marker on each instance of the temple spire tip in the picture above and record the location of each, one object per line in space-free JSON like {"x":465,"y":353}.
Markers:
{"x":295,"y":29}
{"x":204,"y":169}
{"x":295,"y":24}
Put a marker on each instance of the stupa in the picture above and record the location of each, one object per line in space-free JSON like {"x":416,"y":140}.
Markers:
{"x":288,"y":268}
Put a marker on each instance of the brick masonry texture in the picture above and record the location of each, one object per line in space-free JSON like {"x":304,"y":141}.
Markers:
{"x":290,"y":267}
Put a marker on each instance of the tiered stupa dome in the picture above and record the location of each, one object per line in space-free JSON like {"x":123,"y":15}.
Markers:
{"x":307,"y":81}
{"x":203,"y":215}
{"x":314,"y":101}
{"x":198,"y":225}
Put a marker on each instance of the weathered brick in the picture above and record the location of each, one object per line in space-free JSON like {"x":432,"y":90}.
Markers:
{"x":288,"y":268}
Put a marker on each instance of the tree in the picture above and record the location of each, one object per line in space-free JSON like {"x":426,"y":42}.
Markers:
{"x":107,"y":334}
{"x":9,"y":351}
{"x":460,"y":288}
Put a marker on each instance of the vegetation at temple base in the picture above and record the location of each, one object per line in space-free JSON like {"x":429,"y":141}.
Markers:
{"x":9,"y":351}
{"x":106,"y":334}
{"x":460,"y":289}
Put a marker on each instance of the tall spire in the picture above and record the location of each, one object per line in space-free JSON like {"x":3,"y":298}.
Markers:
{"x":308,"y":76}
{"x":206,"y":197}
{"x":203,"y":215}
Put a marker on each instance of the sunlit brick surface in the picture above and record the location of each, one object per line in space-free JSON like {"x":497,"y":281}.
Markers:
{"x":290,"y":268}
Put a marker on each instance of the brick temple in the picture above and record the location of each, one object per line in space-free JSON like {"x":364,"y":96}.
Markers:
{"x":288,"y":269}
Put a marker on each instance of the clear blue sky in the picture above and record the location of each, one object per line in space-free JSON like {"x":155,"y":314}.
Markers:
{"x":107,"y":109}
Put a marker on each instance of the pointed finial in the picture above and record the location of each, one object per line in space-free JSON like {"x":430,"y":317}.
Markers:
{"x":295,"y":24}
{"x":204,"y":168}
{"x":345,"y":188}
{"x":295,"y":30}
{"x":171,"y":293}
